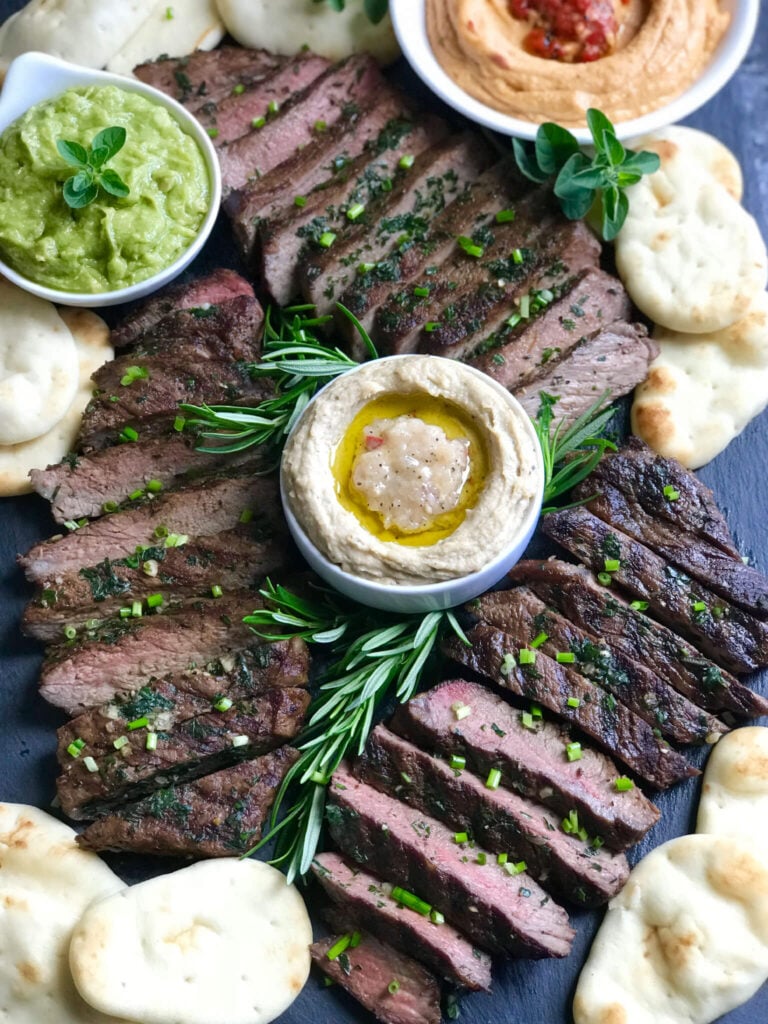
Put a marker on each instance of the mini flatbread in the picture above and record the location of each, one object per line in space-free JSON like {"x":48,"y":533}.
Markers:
{"x":221,"y":942}
{"x":180,"y":27}
{"x":734,"y":795}
{"x":685,"y":941}
{"x":687,"y":154}
{"x":46,"y":882}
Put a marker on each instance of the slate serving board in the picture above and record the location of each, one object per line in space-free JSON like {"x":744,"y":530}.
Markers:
{"x":524,"y":991}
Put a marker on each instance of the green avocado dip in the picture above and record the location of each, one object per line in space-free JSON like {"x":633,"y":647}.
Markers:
{"x":113,"y":242}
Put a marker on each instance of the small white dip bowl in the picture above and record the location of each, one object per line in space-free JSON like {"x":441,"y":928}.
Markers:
{"x":409,"y":21}
{"x":430,"y":596}
{"x":35,"y":77}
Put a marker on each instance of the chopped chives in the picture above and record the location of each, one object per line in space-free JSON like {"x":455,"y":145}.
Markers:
{"x":699,"y":606}
{"x":406,"y":778}
{"x":216,"y":591}
{"x":517,"y":256}
{"x":258,"y":122}
{"x":75,"y":747}
{"x":109,"y":506}
{"x":70,"y":632}
{"x":505,"y":216}
{"x":565,"y":657}
{"x":151,"y":743}
{"x":246,"y":515}
{"x":527,"y":720}
{"x":470,"y":247}
{"x":133,"y":373}
{"x":300,"y":201}
{"x":639,"y":606}
{"x":154,"y":486}
{"x":120,"y":742}
{"x":514,"y":320}
{"x":407,"y":899}
{"x":623,"y":784}
{"x":179,"y":424}
{"x":436,"y":917}
{"x":525,"y":306}
{"x":406,"y":161}
{"x":125,"y":613}
{"x":91,"y":623}
{"x":573,"y":702}
{"x":213,"y":133}
{"x":272,"y":107}
{"x":460,"y":710}
{"x":457,"y":762}
{"x":135,"y":495}
{"x":240,"y":741}
{"x":239,"y":89}
{"x":223,"y":704}
{"x":431,"y":325}
{"x":670,"y":493}
{"x":160,"y":532}
{"x":136,"y":610}
{"x":393,"y":986}
{"x":421,"y":292}
{"x":515,"y":869}
{"x":138,"y":723}
{"x":154,"y":600}
{"x":526,"y":656}
{"x":570,"y":825}
{"x":507,"y":663}
{"x":90,"y":764}
{"x":338,"y":947}
{"x":493,"y":780}
{"x":71,"y":525}
{"x":320,"y":126}
{"x":364,"y":268}
{"x":539,"y":640}
{"x":612,"y":564}
{"x":129,"y":434}
{"x":319,"y":779}
{"x":481,"y":859}
{"x":502,"y":858}
{"x":460,"y":837}
{"x":573,"y":751}
{"x":355,"y":210}
{"x":536,"y":712}
{"x":604,"y":578}
{"x":327,"y":239}
{"x":354,"y":942}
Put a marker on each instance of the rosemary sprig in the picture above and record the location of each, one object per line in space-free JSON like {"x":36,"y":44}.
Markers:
{"x":375,"y":661}
{"x":298,"y":363}
{"x":571,"y":455}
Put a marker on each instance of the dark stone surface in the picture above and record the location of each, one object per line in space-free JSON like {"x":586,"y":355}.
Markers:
{"x":534,"y":992}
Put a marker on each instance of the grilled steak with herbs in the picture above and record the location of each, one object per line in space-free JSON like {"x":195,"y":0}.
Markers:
{"x":207,"y":75}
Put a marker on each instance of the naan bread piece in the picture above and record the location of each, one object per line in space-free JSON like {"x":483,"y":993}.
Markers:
{"x":734,"y":795}
{"x":88,"y":32}
{"x":221,"y":942}
{"x":688,"y":154}
{"x":46,"y":882}
{"x":685,"y":941}
{"x":91,"y":339}
{"x":284,"y":26}
{"x":703,"y":389}
{"x":178,"y":28}
{"x":38,"y":365}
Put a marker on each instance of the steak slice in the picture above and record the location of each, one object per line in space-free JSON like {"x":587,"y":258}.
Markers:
{"x":214,"y":289}
{"x":82,"y":485}
{"x":200,"y":509}
{"x":614,"y":359}
{"x":123,"y":653}
{"x":356,"y":79}
{"x":207,"y":75}
{"x":498,"y":912}
{"x":226,"y":330}
{"x":568,"y":248}
{"x":409,"y":315}
{"x":220,"y":815}
{"x":498,"y":819}
{"x":532,"y":761}
{"x":364,"y":901}
{"x":367,"y":973}
{"x":421,"y":188}
{"x":737,"y":582}
{"x":329,"y":152}
{"x":613,"y":726}
{"x":299,"y":231}
{"x":575,"y":593}
{"x":730,"y":637}
{"x":676,"y":717}
{"x":233,"y":116}
{"x":185,"y":751}
{"x":641,"y":474}
{"x":512,"y":354}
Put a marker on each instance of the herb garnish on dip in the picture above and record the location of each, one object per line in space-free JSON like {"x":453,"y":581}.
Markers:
{"x":115,"y":240}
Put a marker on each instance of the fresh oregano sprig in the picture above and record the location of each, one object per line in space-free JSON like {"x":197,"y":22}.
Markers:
{"x":376,"y":10}
{"x":378,"y":655}
{"x":582,"y":179}
{"x":82,"y":188}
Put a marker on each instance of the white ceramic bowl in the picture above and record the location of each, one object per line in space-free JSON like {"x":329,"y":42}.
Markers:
{"x":429,"y":596}
{"x":409,"y":22}
{"x":35,"y":77}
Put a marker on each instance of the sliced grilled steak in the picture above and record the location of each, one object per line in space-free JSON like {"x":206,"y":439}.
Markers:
{"x":234,"y":116}
{"x":512,"y":354}
{"x":124,"y":653}
{"x":498,"y":819}
{"x":301,"y":230}
{"x":214,"y":289}
{"x":220,"y":815}
{"x":364,"y":901}
{"x":615,"y":359}
{"x":354,"y":80}
{"x":532,"y":761}
{"x":226,"y":330}
{"x":568,"y":248}
{"x":612,"y":725}
{"x":420,"y":190}
{"x":208,"y":75}
{"x":185,"y":751}
{"x":421,"y":256}
{"x":82,"y":485}
{"x":329,"y":152}
{"x":198,"y":510}
{"x":367,"y":973}
{"x":418,"y":853}
{"x":575,"y":593}
{"x":470,"y":272}
{"x":652,"y":698}
{"x":729,"y":636}
{"x":641,"y":474}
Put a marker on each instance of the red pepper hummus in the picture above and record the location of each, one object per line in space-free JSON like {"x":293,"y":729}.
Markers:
{"x":660,"y":48}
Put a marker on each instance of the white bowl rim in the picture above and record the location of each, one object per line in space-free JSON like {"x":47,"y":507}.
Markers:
{"x":41,"y":77}
{"x":408,"y":20}
{"x":442,"y":586}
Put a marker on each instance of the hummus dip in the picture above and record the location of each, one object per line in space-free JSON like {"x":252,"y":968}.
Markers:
{"x":412,"y":470}
{"x":661,"y":49}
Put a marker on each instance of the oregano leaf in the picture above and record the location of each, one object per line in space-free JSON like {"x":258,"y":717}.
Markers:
{"x":74,"y":154}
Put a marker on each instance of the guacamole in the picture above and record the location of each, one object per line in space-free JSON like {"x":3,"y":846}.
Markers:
{"x":113,"y":242}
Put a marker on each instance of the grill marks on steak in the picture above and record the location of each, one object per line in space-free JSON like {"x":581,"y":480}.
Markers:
{"x":499,"y":912}
{"x":533,"y":763}
{"x":356,"y":79}
{"x":364,"y":901}
{"x":227,"y":331}
{"x":367,"y":971}
{"x":499,"y":819}
{"x":219,"y":815}
{"x":731,"y":637}
{"x":521,"y":614}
